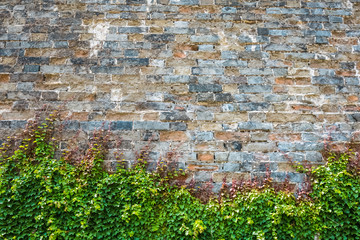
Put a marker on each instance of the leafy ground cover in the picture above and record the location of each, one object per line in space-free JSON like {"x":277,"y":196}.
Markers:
{"x":42,"y":197}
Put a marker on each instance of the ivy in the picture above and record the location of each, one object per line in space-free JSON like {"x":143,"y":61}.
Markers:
{"x":42,"y":197}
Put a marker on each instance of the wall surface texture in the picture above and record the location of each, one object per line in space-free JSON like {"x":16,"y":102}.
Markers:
{"x":234,"y":86}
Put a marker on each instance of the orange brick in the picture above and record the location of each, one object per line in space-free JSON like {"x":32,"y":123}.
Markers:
{"x":177,"y":136}
{"x":302,"y":81}
{"x":343,"y":41}
{"x":205,"y":157}
{"x":285,"y":137}
{"x":188,"y":47}
{"x":353,"y":98}
{"x":284,"y":81}
{"x":345,"y":73}
{"x":82,"y":53}
{"x":303,"y":107}
{"x":198,"y":167}
{"x":232,"y":136}
{"x":4,"y":78}
{"x":179,"y":54}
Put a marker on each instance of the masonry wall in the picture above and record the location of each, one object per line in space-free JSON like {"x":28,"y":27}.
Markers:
{"x":234,"y":86}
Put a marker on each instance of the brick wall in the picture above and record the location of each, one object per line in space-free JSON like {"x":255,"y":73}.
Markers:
{"x":231,"y":85}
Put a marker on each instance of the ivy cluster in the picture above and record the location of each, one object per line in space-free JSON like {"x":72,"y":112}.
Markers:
{"x":42,"y":197}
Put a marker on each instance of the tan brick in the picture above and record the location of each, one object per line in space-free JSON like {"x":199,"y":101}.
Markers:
{"x":219,"y":176}
{"x":199,"y":167}
{"x":210,"y":127}
{"x":291,"y":137}
{"x":303,"y":89}
{"x":286,"y":167}
{"x":38,"y":37}
{"x":232,"y":136}
{"x":122,"y":116}
{"x":205,"y":157}
{"x":290,"y":117}
{"x":231,"y":117}
{"x":176,"y":136}
{"x":4,"y":78}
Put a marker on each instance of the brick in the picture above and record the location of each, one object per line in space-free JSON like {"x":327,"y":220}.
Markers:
{"x":205,"y":88}
{"x":121,"y":125}
{"x":151,"y":125}
{"x":255,"y":88}
{"x":328,"y":80}
{"x":160,"y":37}
{"x":255,"y":126}
{"x":174,"y":116}
{"x":205,"y":38}
{"x":204,"y":136}
{"x":231,"y":136}
{"x":177,"y":136}
{"x":205,"y":157}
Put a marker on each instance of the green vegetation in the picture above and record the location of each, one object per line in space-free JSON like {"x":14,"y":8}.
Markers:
{"x":45,"y":198}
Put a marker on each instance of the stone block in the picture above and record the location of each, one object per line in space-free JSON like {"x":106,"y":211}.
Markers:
{"x":121,"y":125}
{"x":205,"y":38}
{"x":204,"y":136}
{"x":205,"y":88}
{"x":146,"y":125}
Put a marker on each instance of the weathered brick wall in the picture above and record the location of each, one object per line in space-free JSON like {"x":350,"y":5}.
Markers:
{"x":232,"y":85}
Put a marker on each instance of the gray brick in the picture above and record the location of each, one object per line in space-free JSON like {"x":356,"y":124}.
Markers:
{"x":94,"y":125}
{"x":228,"y":108}
{"x":5,"y":124}
{"x":231,"y":167}
{"x":121,"y":125}
{"x":223,"y":97}
{"x":174,"y":116}
{"x":257,"y":72}
{"x":176,"y":30}
{"x":16,"y":124}
{"x":277,"y":47}
{"x":63,"y":36}
{"x":71,"y":125}
{"x":133,"y":61}
{"x":205,"y":88}
{"x":160,"y":37}
{"x":151,"y":126}
{"x":240,"y":157}
{"x":23,"y":95}
{"x":327,"y":80}
{"x":313,"y":156}
{"x":178,"y":126}
{"x":107,"y":70}
{"x":205,"y":38}
{"x":31,"y":68}
{"x":133,"y":29}
{"x":49,"y":96}
{"x":177,"y":79}
{"x":314,"y":18}
{"x":355,"y":117}
{"x":207,"y":116}
{"x":255,"y":88}
{"x":229,"y":55}
{"x":253,"y":106}
{"x":303,"y":127}
{"x":207,"y":71}
{"x":184,"y":2}
{"x":310,"y":137}
{"x":204,"y":136}
{"x":255,"y":80}
{"x":255,"y":126}
{"x":56,"y":69}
